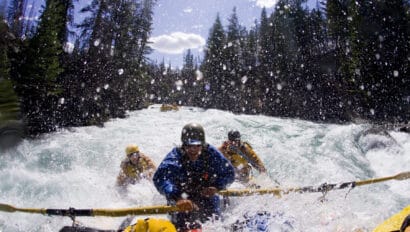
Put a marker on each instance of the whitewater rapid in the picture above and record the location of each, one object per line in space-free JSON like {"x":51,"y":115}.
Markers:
{"x":77,"y":167}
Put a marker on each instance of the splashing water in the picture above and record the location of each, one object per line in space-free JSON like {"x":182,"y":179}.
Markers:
{"x":78,"y":167}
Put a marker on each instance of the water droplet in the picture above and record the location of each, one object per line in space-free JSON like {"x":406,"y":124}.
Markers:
{"x":199,"y":75}
{"x":244,"y":79}
{"x":97,"y":42}
{"x":179,"y":84}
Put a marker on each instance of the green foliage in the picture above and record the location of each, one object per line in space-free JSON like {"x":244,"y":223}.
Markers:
{"x":9,"y":104}
{"x":347,"y":60}
{"x":36,"y":80}
{"x":213,"y":65}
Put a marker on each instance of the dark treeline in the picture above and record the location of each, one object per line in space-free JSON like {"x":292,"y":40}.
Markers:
{"x":342,"y":61}
{"x":101,"y":77}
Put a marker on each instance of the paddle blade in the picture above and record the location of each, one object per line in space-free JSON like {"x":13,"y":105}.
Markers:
{"x":7,"y":208}
{"x":403,"y":176}
{"x":12,"y":209}
{"x":162,"y":209}
{"x":400,"y":176}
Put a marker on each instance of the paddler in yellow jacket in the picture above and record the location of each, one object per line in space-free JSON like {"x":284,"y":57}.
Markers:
{"x":242,"y":157}
{"x":135,"y":167}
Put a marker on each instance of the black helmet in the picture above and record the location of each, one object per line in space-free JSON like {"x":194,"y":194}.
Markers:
{"x":193,"y":134}
{"x":234,"y":135}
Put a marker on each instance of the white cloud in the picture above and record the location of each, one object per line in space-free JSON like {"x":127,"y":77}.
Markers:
{"x":266,"y":3}
{"x":177,"y":42}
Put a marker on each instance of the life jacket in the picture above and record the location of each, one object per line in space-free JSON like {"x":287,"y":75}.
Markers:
{"x":236,"y":155}
{"x":198,"y":176}
{"x":151,"y":225}
{"x":242,"y":156}
{"x":394,"y":222}
{"x":134,"y":171}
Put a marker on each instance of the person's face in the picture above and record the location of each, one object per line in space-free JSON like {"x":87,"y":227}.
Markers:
{"x":134,"y":157}
{"x":235,"y":142}
{"x":193,"y":151}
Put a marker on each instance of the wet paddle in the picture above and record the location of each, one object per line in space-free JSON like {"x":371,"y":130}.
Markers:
{"x":93,"y":212}
{"x":166,"y":209}
{"x":322,"y":188}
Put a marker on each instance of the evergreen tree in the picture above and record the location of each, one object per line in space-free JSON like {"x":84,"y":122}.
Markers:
{"x":340,"y":31}
{"x":214,"y":66}
{"x":322,"y":86}
{"x":117,"y":35}
{"x":265,"y":59}
{"x":98,"y":34}
{"x":231,"y":80}
{"x":188,"y":79}
{"x":9,"y":104}
{"x":139,"y":30}
{"x":265,"y":44}
{"x":251,"y":87}
{"x":15,"y":17}
{"x":392,"y":56}
{"x":37,"y":83}
{"x":161,"y":85}
{"x":279,"y":97}
{"x":378,"y":32}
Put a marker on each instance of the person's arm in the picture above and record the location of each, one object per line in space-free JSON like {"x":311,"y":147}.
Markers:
{"x":150,"y":163}
{"x":223,"y":170}
{"x":150,"y":166}
{"x":122,"y":177}
{"x":224,"y":148}
{"x":166,"y":175}
{"x":253,"y":157}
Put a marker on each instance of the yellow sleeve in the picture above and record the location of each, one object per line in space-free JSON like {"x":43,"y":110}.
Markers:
{"x":121,"y":178}
{"x":149,"y":166}
{"x":251,"y":154}
{"x":224,"y":150}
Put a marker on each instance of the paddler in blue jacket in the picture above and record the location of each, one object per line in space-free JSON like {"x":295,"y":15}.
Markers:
{"x":190,"y":177}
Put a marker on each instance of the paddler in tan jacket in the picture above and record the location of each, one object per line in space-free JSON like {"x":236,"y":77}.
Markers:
{"x":242,"y":157}
{"x":135,"y":167}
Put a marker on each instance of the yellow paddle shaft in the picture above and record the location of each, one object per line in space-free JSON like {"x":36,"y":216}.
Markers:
{"x":400,"y":176}
{"x":93,"y":212}
{"x":134,"y":211}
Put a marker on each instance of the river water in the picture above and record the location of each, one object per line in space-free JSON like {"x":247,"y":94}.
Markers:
{"x":77,"y":168}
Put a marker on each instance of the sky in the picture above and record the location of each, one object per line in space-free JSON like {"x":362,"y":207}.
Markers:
{"x":179,"y":25}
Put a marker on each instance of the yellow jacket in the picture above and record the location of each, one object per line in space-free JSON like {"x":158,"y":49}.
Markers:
{"x":151,"y":225}
{"x":394,"y":222}
{"x":242,"y":157}
{"x":132,"y":173}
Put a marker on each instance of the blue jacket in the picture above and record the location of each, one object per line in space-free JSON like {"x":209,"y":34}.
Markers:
{"x":177,"y":175}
